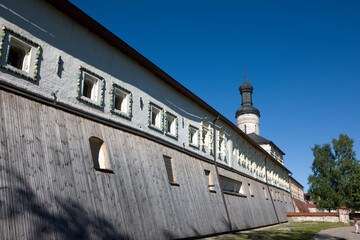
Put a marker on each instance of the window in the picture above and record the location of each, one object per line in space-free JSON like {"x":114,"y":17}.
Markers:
{"x":231,"y":186}
{"x":250,"y":190}
{"x":170,"y":170}
{"x":90,"y":88}
{"x":210,"y":181}
{"x":121,"y":101}
{"x":171,"y":123}
{"x":206,"y":137}
{"x":19,"y":55}
{"x":222,"y":145}
{"x":265,"y":193}
{"x":194,"y":137}
{"x":99,"y":156}
{"x":155,"y":118}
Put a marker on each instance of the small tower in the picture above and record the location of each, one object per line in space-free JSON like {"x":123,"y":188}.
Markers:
{"x":247,"y":116}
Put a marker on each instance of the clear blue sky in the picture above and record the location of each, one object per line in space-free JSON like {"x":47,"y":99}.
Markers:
{"x":303,"y":59}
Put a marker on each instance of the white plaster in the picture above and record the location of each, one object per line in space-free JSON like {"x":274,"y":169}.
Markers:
{"x":59,"y":35}
{"x":248,"y":123}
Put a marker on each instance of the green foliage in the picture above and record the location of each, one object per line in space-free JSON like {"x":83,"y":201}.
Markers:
{"x":336,"y":175}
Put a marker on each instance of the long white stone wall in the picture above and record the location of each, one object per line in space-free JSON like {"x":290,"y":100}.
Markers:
{"x":60,"y":36}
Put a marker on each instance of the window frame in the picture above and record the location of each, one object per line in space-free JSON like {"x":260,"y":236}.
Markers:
{"x":101,"y":149}
{"x":34,"y":64}
{"x":250,"y":190}
{"x":127,"y":115}
{"x":160,"y":128}
{"x":237,"y":184}
{"x":172,"y":174}
{"x":197,"y":133}
{"x":170,"y":134}
{"x":265,"y":193}
{"x":99,"y":102}
{"x":210,"y":181}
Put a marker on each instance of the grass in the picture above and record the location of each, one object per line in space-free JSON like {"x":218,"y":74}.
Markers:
{"x":290,"y":231}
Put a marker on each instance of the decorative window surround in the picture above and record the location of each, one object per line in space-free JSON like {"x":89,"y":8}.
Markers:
{"x":221,"y":145}
{"x":206,"y":137}
{"x":20,"y":42}
{"x":156,"y":117}
{"x":99,"y":92}
{"x":125,"y":96}
{"x":171,"y":125}
{"x":194,"y":137}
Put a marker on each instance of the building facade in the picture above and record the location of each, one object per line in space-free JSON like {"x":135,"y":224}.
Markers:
{"x":98,"y":142}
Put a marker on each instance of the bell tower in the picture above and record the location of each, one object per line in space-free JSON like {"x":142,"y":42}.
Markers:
{"x":247,"y":116}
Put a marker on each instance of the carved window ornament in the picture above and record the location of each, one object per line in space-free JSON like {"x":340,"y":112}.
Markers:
{"x":19,"y":55}
{"x":206,"y":137}
{"x":121,"y":101}
{"x":221,"y":146}
{"x":90,"y":88}
{"x":156,"y":117}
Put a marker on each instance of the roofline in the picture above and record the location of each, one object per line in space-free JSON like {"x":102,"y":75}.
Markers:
{"x":293,"y":179}
{"x":85,"y":20}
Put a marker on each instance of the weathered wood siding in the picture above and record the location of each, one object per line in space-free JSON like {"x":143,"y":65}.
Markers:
{"x":50,"y":190}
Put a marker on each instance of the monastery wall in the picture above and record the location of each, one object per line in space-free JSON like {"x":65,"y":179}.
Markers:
{"x":49,"y":189}
{"x":47,"y":170}
{"x":61,"y":39}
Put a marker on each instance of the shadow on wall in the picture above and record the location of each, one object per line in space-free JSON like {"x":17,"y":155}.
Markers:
{"x":22,"y":208}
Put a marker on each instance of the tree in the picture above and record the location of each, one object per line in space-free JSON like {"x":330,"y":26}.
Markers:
{"x":336,"y":175}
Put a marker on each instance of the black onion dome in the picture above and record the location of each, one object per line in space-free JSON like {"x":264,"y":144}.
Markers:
{"x":247,"y":109}
{"x":246,"y":100}
{"x":245,"y":87}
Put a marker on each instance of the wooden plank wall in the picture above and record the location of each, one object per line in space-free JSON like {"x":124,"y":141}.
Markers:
{"x":50,"y":190}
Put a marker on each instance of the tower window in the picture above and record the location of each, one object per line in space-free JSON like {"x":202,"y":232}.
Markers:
{"x":171,"y":123}
{"x":194,"y":136}
{"x":155,"y":120}
{"x":121,"y":101}
{"x":99,"y":156}
{"x":170,"y":170}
